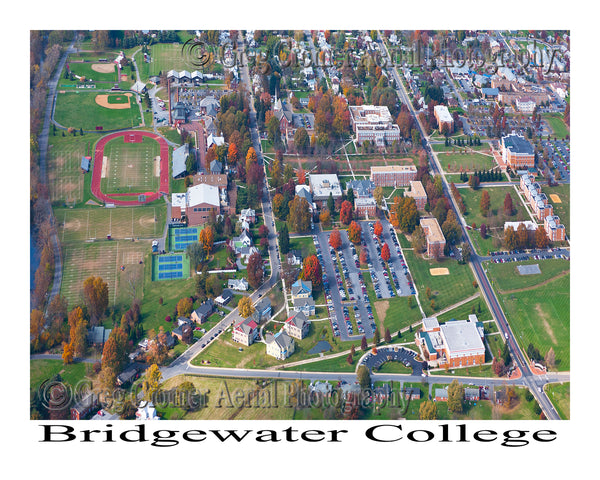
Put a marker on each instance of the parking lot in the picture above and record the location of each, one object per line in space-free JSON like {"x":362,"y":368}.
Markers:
{"x":393,"y":354}
{"x":559,"y":157}
{"x":522,"y":255}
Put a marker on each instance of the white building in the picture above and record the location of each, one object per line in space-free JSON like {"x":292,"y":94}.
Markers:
{"x":374,"y":123}
{"x":321,"y":185}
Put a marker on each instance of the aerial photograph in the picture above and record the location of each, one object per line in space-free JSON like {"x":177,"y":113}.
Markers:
{"x":299,"y":225}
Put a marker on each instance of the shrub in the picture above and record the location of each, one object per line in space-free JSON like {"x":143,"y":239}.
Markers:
{"x":168,"y":318}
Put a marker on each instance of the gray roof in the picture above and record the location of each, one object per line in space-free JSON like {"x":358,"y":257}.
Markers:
{"x":205,"y":309}
{"x":216,"y":167}
{"x":98,"y":335}
{"x":298,"y":319}
{"x":361,"y":188}
{"x":517,"y":144}
{"x":263,"y":305}
{"x":179,"y":157}
{"x":283,"y":340}
{"x":300,"y":286}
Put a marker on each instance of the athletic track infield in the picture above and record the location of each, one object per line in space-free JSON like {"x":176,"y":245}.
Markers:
{"x":130,"y":198}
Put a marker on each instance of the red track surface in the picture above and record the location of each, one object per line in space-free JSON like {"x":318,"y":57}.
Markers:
{"x":114,"y":197}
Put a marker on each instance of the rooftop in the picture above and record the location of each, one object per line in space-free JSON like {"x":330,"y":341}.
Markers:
{"x":461,"y":336}
{"x":517,"y":144}
{"x":323,"y":184}
{"x":416,"y":189}
{"x":393,"y":168}
{"x":203,"y":193}
{"x":433,"y":231}
{"x":442,"y":113}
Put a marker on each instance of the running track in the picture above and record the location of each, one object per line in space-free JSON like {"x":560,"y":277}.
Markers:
{"x":150,"y":196}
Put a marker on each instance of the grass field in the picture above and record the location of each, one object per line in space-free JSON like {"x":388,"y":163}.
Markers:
{"x":41,"y":370}
{"x":453,"y":162}
{"x":557,"y":124}
{"x":79,"y":110}
{"x":65,"y":180}
{"x":560,"y":396}
{"x":85,"y":70}
{"x":82,"y":224}
{"x":561,"y":209}
{"x":165,"y":57}
{"x":505,"y":276}
{"x":131,"y":166}
{"x":446,"y":289}
{"x":472,"y":199}
{"x":541,"y":316}
{"x":462,"y":312}
{"x":103,"y":259}
{"x":440,"y":147}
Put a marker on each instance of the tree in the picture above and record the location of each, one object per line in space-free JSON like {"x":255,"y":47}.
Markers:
{"x":354,"y":232}
{"x":363,"y":344}
{"x":251,"y":158}
{"x":185,"y":307}
{"x":378,"y":195}
{"x":350,"y":195}
{"x":474,"y":182}
{"x":312,"y":271}
{"x":385,"y":252}
{"x":456,"y":393}
{"x":232,"y":153}
{"x":451,"y":228}
{"x":325,"y":218}
{"x":428,"y":410}
{"x":387,"y":336}
{"x":207,"y":238}
{"x":280,"y":206}
{"x":95,"y":294}
{"x":255,"y":270}
{"x":346,"y":212}
{"x":483,"y":231}
{"x":428,"y":293}
{"x":67,"y":355}
{"x":363,"y":256}
{"x":522,"y":236}
{"x":331,"y":204}
{"x":349,"y":359}
{"x":284,"y":239}
{"x":510,"y":238}
{"x":77,"y":332}
{"x":550,"y":358}
{"x":299,"y":218}
{"x":378,"y":228}
{"x":335,"y":239}
{"x":508,"y":205}
{"x":245,"y":307}
{"x":301,"y":140}
{"x":376,"y":337}
{"x":151,"y":383}
{"x":363,"y":377}
{"x":541,"y":239}
{"x":484,"y":204}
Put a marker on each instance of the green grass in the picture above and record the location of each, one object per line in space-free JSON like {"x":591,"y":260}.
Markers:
{"x":304,"y":244}
{"x":131,"y":166}
{"x":485,"y":245}
{"x":505,"y":276}
{"x":462,"y":312}
{"x":557,"y":124}
{"x":560,"y":396}
{"x":440,"y":147}
{"x":170,"y":134}
{"x":336,"y":364}
{"x":79,"y":110}
{"x":446,"y":289}
{"x":562,"y":209}
{"x":41,"y":370}
{"x":541,"y":317}
{"x":85,"y":70}
{"x":496,"y":217}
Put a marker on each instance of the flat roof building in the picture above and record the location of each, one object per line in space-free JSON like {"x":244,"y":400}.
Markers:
{"x":517,"y":152}
{"x":321,"y":185}
{"x":436,"y":242}
{"x":417,"y":191}
{"x":393,"y":175}
{"x":443,"y":116}
{"x":373,"y":123}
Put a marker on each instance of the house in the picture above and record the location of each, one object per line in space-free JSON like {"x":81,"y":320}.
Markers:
{"x":84,"y":406}
{"x":216,"y":167}
{"x":180,"y":155}
{"x":393,"y":175}
{"x":263,"y":308}
{"x":361,"y":188}
{"x":284,"y":114}
{"x":303,"y":191}
{"x":181,"y":331}
{"x":441,"y":395}
{"x":304,"y":305}
{"x":146,"y":411}
{"x":127,"y":376}
{"x":209,"y":106}
{"x":436,"y":242}
{"x":280,"y":345}
{"x":248,"y":214}
{"x":457,"y":343}
{"x":472,"y":394}
{"x":240,"y":285}
{"x":294,"y":257}
{"x":245,"y":331}
{"x":301,"y":289}
{"x":243,"y":240}
{"x":201,"y":314}
{"x":224,"y":298}
{"x":417,"y":191}
{"x":554,"y":229}
{"x":246,"y":252}
{"x":412,"y":393}
{"x":139,"y":88}
{"x":297,"y":326}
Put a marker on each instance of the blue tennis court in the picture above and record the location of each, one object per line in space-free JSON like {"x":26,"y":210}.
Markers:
{"x":170,"y":259}
{"x":170,"y":275}
{"x":180,"y":238}
{"x":170,"y":267}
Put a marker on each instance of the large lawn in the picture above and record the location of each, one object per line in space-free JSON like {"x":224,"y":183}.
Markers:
{"x":560,"y":396}
{"x":557,"y":124}
{"x":454,"y":162}
{"x":462,"y":312}
{"x":42,"y":370}
{"x":446,"y":289}
{"x":506,"y":277}
{"x":541,"y":316}
{"x":496,"y":217}
{"x":78,"y":109}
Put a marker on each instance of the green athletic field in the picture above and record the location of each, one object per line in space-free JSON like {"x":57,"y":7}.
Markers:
{"x":78,"y":109}
{"x":453,"y":162}
{"x":131,"y":166}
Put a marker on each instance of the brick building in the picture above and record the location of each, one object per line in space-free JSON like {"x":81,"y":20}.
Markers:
{"x":517,"y":152}
{"x":417,"y":191}
{"x":436,"y":242}
{"x":365,"y":207}
{"x":374,"y":123}
{"x":554,"y":230}
{"x":442,"y":115}
{"x":393,"y":175}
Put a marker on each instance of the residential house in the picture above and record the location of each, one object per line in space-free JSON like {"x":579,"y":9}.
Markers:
{"x":84,"y":406}
{"x":297,"y":326}
{"x":127,"y":376}
{"x":240,"y":284}
{"x":294,"y":257}
{"x":280,"y":345}
{"x":216,"y":167}
{"x":441,"y":395}
{"x":146,"y":411}
{"x":472,"y":394}
{"x":245,"y":331}
{"x":98,"y":335}
{"x":248,"y":214}
{"x":412,"y":393}
{"x":263,"y":308}
{"x":224,"y":298}
{"x":301,"y":289}
{"x":304,"y":305}
{"x":201,"y":314}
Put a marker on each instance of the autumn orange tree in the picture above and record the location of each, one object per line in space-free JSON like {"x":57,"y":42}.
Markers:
{"x":484,"y":204}
{"x":95,"y":294}
{"x":385,"y":252}
{"x":232,"y":154}
{"x":354,"y":231}
{"x":312,"y":271}
{"x":325,"y":218}
{"x":346,"y":212}
{"x":185,"y":307}
{"x":251,"y":158}
{"x":207,"y":238}
{"x":378,"y":228}
{"x":255,"y":270}
{"x":335,"y":239}
{"x":541,"y":239}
